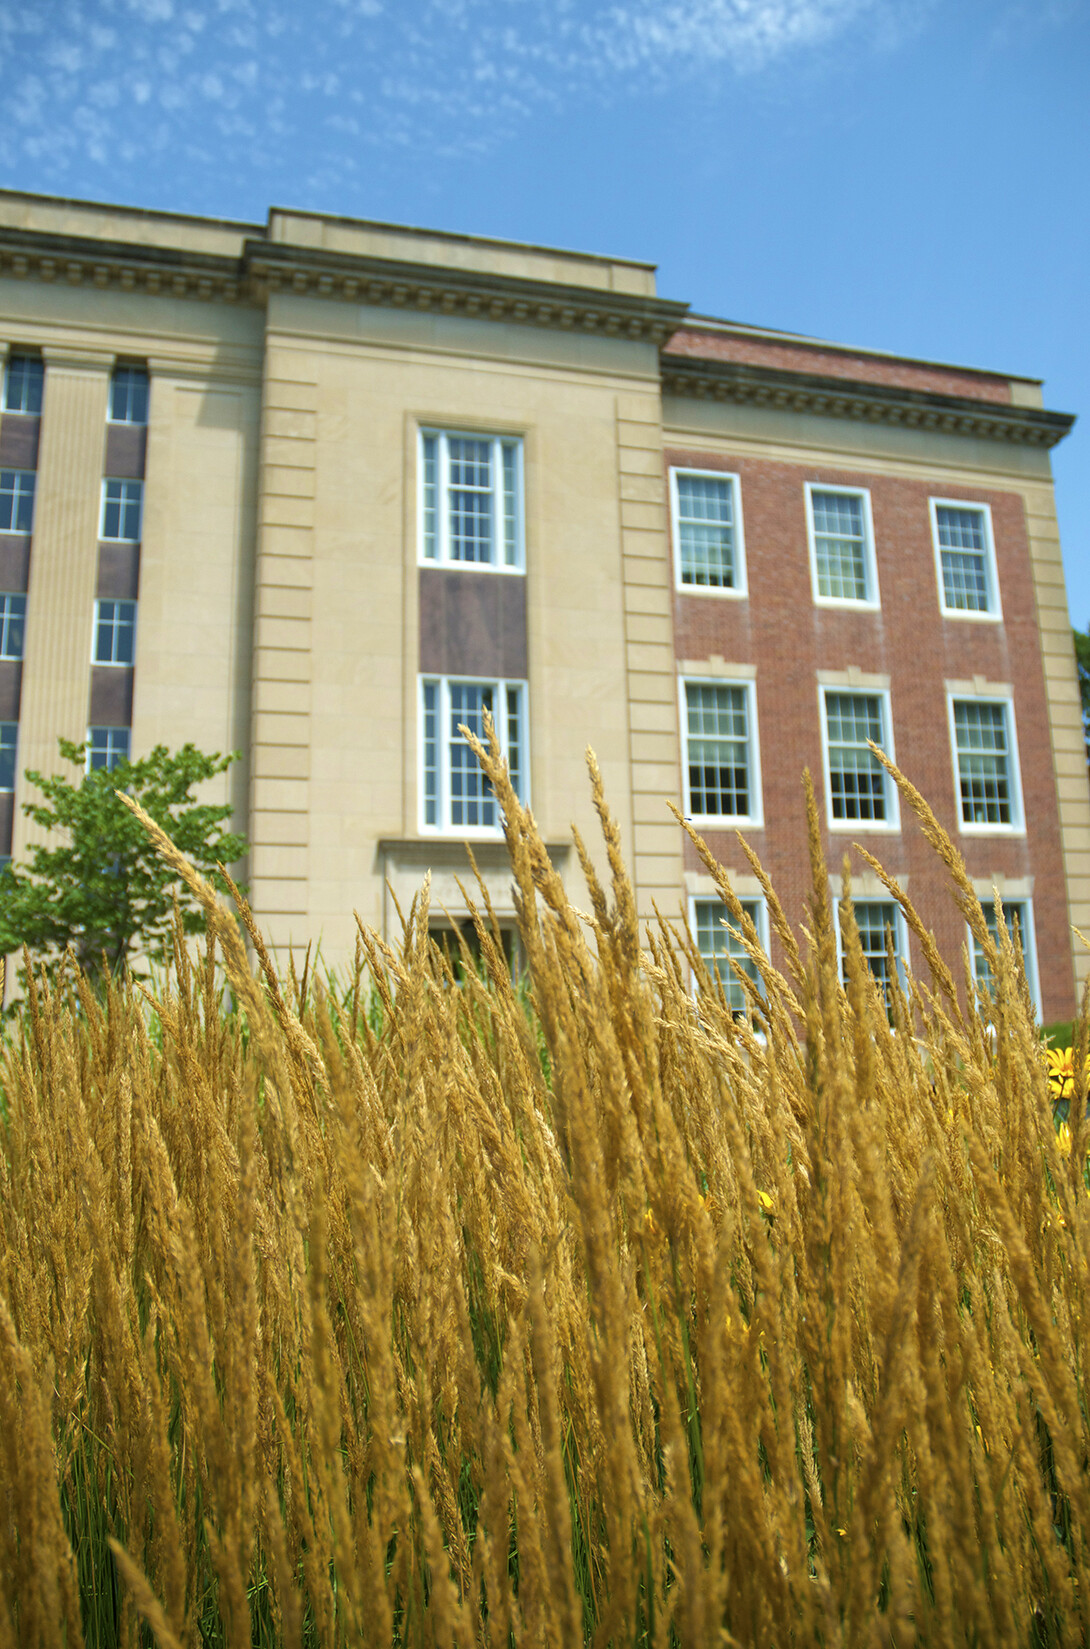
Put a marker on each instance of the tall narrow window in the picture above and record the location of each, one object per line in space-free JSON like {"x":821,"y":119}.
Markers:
{"x":16,"y":500}
{"x":720,"y":751}
{"x":841,"y":546}
{"x":721,"y":951}
{"x":881,"y":927}
{"x":860,"y":790}
{"x":987,"y":780}
{"x":129,"y":395}
{"x":707,"y":531}
{"x":968,"y":583}
{"x":106,"y":746}
{"x":455,"y":795}
{"x":115,"y":632}
{"x":471,"y":510}
{"x":24,"y":376}
{"x":9,"y":743}
{"x":122,"y":502}
{"x":1018,"y":916}
{"x":12,"y":625}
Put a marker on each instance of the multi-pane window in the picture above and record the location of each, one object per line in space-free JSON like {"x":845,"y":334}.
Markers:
{"x":707,"y":531}
{"x":1018,"y":917}
{"x":455,"y":795}
{"x":106,"y":746}
{"x":121,"y":506}
{"x":984,"y":746}
{"x":841,"y":546}
{"x":880,"y":928}
{"x":115,"y":632}
{"x":720,"y":948}
{"x":16,"y":500}
{"x":966,"y":560}
{"x":471,"y":500}
{"x":23,"y":379}
{"x":860,"y":789}
{"x":129,"y":395}
{"x":720,"y":751}
{"x":12,"y":625}
{"x":9,"y":741}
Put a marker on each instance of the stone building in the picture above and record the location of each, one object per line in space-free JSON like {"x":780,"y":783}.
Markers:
{"x":319,"y":490}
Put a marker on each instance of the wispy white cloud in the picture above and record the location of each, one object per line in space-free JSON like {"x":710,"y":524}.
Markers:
{"x":89,"y":81}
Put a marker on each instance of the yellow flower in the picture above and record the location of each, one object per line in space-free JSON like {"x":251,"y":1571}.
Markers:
{"x":767,"y":1203}
{"x":1063,"y":1139}
{"x":1061,"y":1071}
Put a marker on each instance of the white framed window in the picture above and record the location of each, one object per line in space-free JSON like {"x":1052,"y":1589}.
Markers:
{"x":720,"y":950}
{"x":841,"y":539}
{"x":106,"y":746}
{"x":471,"y":500}
{"x":721,"y":759}
{"x":115,"y":632}
{"x":24,"y":376}
{"x":122,"y":504}
{"x":12,"y":625}
{"x":129,"y":395}
{"x":16,"y":500}
{"x":986,"y":764}
{"x":859,"y":792}
{"x":880,"y":923}
{"x":965,"y":559}
{"x":454,"y":793}
{"x":709,"y":544}
{"x":1018,"y":915}
{"x":9,"y":744}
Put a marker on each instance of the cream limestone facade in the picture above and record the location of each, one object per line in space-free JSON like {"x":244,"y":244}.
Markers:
{"x":286,"y":605}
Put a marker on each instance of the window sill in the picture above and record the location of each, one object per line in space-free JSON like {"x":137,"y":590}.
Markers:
{"x":722,"y":821}
{"x":991,"y":829}
{"x":424,"y":848}
{"x":721,"y":592}
{"x":865,"y":827}
{"x":843,"y":605}
{"x":970,"y":616}
{"x":471,"y":567}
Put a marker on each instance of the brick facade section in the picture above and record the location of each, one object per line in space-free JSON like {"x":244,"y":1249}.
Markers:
{"x":834,"y":363}
{"x":788,"y":639}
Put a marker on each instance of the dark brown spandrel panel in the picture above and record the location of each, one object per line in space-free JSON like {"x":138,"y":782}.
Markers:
{"x":19,"y":441}
{"x":111,"y":696}
{"x":14,"y":562}
{"x":118,"y":572}
{"x":125,"y":448}
{"x":472,"y":624}
{"x":7,"y":819}
{"x":11,"y":677}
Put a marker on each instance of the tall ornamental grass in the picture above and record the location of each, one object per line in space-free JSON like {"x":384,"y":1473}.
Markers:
{"x":443,"y":1311}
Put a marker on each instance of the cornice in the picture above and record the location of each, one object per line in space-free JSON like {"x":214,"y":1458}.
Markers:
{"x":78,"y":260}
{"x":778,"y":390}
{"x":481,"y":296}
{"x":269,"y":267}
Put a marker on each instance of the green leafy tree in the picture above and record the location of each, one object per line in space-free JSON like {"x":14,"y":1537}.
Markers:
{"x":105,"y":891}
{"x":1082,"y":660}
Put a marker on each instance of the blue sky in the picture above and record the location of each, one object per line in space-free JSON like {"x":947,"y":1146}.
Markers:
{"x":907,"y":175}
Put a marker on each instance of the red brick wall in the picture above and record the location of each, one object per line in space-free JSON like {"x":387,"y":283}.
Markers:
{"x":836,"y":363}
{"x":780,"y":631}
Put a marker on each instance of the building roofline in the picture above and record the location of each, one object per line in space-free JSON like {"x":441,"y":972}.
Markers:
{"x":111,"y":206}
{"x":280,"y":265}
{"x":460,"y":238}
{"x":715,"y":323}
{"x":807,"y":392}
